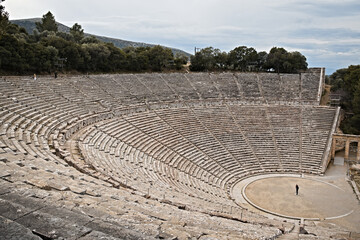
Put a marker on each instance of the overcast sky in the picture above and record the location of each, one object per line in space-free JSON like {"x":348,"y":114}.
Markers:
{"x":327,"y":32}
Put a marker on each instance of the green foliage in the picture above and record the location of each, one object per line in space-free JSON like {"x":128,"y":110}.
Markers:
{"x":4,"y":18}
{"x":261,"y":60}
{"x":285,"y":62}
{"x":347,"y":82}
{"x":275,"y":59}
{"x":77,"y":32}
{"x":243,"y":58}
{"x":296,"y":62}
{"x":220,"y":59}
{"x":204,"y":59}
{"x":136,"y":60}
{"x":351,"y":125}
{"x":22,"y":53}
{"x":159,"y":58}
{"x":352,"y":79}
{"x":90,"y":39}
{"x":180,"y":60}
{"x":47,"y":23}
{"x":356,"y":98}
{"x":12,"y":53}
{"x":45,"y":58}
{"x":66,"y":36}
{"x":336,"y":80}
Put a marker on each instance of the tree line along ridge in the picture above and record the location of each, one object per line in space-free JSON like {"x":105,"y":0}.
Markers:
{"x":23,"y":53}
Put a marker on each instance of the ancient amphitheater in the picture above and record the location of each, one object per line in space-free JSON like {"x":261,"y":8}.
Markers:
{"x":163,"y":156}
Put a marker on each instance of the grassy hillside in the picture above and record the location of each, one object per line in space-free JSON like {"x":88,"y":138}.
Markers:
{"x":30,"y":26}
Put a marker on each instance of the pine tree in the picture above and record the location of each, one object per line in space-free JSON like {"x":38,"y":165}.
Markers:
{"x":47,"y":23}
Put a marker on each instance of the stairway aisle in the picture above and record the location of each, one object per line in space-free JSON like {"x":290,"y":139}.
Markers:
{"x":294,"y":234}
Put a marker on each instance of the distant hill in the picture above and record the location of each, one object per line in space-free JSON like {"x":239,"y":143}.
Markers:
{"x":30,"y":26}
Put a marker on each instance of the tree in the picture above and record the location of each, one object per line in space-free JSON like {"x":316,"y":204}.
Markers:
{"x":4,"y":18}
{"x":197,"y":62}
{"x":351,"y":125}
{"x":203,"y":60}
{"x":90,"y":39}
{"x":44,"y":58}
{"x":136,"y":59}
{"x":297,"y":62}
{"x":347,"y":82}
{"x":131,"y":59}
{"x":261,"y":60}
{"x":73,"y":56}
{"x":276,"y":58}
{"x":47,"y":23}
{"x":21,"y":53}
{"x":356,"y":99}
{"x":243,"y":58}
{"x":220,"y":59}
{"x":352,"y":79}
{"x":180,"y":60}
{"x":66,"y":36}
{"x":77,"y":32}
{"x":117,"y":58}
{"x":159,"y":57}
{"x":337,"y":79}
{"x":283,"y":61}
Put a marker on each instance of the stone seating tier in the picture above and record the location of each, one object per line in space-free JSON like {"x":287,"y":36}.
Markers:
{"x":227,"y":143}
{"x":175,"y":137}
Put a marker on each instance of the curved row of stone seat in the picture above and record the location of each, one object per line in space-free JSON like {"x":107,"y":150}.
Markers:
{"x":167,"y":145}
{"x":310,"y":84}
{"x":104,"y":167}
{"x":89,"y":93}
{"x":33,"y":123}
{"x":30,"y":121}
{"x":111,"y":215}
{"x":286,"y":128}
{"x":157,"y":179}
{"x":135,"y":168}
{"x":94,"y":93}
{"x":316,"y":125}
{"x":217,"y":145}
{"x":187,"y":147}
{"x":98,"y":140}
{"x":32,"y":91}
{"x":121,"y":132}
{"x":128,"y":89}
{"x":66,"y":190}
{"x":250,"y":125}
